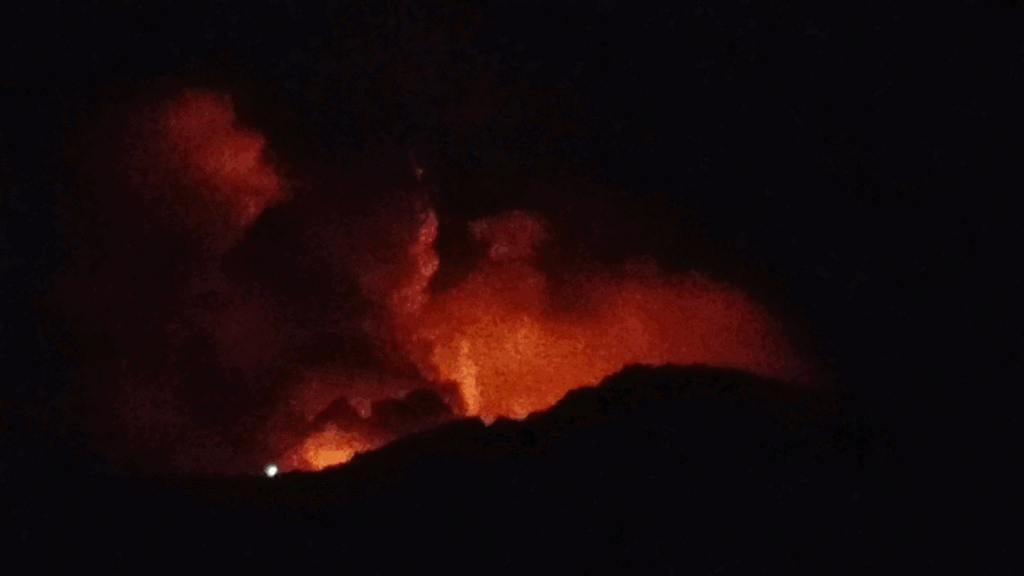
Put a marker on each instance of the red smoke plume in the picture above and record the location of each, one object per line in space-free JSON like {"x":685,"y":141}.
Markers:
{"x":221,"y":369}
{"x":510,"y":349}
{"x":184,"y":165}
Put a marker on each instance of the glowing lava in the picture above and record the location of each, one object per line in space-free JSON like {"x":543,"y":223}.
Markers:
{"x":332,"y":446}
{"x":210,"y":318}
{"x":511,"y":350}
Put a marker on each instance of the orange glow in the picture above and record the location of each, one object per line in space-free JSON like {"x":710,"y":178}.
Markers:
{"x":512,"y":353}
{"x":200,"y":129}
{"x":191,"y":167}
{"x":511,"y":349}
{"x":331,"y":447}
{"x":229,"y":329}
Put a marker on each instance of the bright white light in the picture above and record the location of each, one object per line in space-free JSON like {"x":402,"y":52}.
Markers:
{"x":270,"y":470}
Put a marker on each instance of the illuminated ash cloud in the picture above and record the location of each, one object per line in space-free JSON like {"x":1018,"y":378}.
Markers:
{"x":512,"y":236}
{"x":341,"y":430}
{"x":513,"y":349}
{"x":184,"y":165}
{"x":508,"y":344}
{"x":226,"y":161}
{"x":176,"y":181}
{"x":307,"y":333}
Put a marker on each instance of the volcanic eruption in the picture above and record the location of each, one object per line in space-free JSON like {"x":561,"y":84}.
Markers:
{"x":254,"y":319}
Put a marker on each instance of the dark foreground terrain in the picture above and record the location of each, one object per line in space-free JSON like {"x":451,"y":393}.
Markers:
{"x":656,"y":471}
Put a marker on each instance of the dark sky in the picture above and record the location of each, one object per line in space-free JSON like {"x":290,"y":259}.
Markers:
{"x":853,"y":169}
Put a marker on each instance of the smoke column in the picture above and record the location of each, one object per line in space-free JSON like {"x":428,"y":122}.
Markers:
{"x":239,"y":335}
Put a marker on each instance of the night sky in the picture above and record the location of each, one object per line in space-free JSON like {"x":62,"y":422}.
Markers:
{"x":851,"y":171}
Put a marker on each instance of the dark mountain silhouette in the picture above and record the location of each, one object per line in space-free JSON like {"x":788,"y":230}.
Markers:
{"x":684,"y":469}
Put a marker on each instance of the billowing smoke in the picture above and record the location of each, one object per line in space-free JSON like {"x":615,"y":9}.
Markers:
{"x":184,"y":348}
{"x":249,"y":321}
